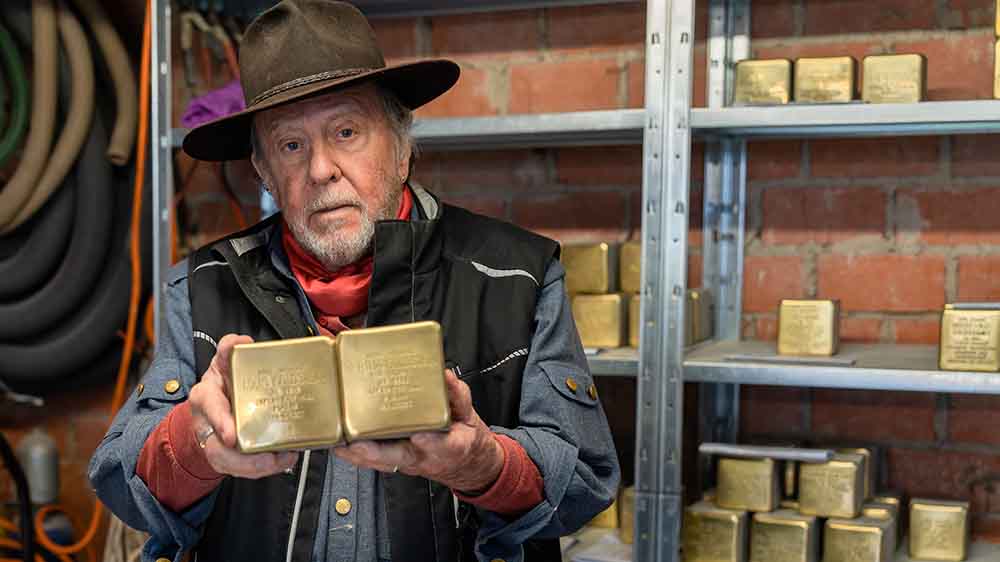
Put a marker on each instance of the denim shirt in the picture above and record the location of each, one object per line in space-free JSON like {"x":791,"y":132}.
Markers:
{"x":568,"y":440}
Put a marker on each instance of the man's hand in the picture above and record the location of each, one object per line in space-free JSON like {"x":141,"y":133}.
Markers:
{"x":215,"y":428}
{"x":466,"y":459}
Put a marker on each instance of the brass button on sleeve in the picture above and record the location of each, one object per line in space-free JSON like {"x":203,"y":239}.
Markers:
{"x":592,"y":392}
{"x":172,"y":386}
{"x":343,"y":506}
{"x":571,"y":384}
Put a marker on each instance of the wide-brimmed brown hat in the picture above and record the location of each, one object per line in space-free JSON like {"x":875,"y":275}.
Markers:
{"x":300,"y":48}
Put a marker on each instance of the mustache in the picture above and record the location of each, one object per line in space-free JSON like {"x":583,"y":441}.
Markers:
{"x":332,"y":201}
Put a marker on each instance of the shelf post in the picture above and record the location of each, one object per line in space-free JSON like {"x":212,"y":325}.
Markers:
{"x":666,"y":181}
{"x":161,"y":153}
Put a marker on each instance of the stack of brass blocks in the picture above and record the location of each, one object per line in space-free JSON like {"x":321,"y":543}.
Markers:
{"x":887,"y":79}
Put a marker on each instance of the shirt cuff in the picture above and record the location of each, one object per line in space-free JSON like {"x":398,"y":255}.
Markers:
{"x":518,"y":488}
{"x":188,"y":454}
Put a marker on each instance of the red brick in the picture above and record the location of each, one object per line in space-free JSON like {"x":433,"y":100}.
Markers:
{"x":883,"y":282}
{"x":823,"y":216}
{"x":493,"y":34}
{"x":979,"y":278}
{"x":768,"y":279}
{"x":469,"y":97}
{"x":636,"y":83}
{"x":824,"y":17}
{"x":697,"y":161}
{"x":489,"y":206}
{"x":986,"y":528}
{"x":504,"y":170}
{"x":397,"y":37}
{"x":964,"y":14}
{"x":772,"y":160}
{"x":597,"y":28}
{"x":917,"y":331}
{"x":955,"y":216}
{"x":775,"y":411}
{"x":601,"y":165}
{"x":861,"y":330}
{"x":900,"y":156}
{"x":766,"y":328}
{"x":574,"y":217}
{"x":873,"y":415}
{"x":695,"y":264}
{"x":959,"y":67}
{"x":974,"y":419}
{"x":772,"y":18}
{"x":564,"y":86}
{"x":975,"y":155}
{"x":941,"y":474}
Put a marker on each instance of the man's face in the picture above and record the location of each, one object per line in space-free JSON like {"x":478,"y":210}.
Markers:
{"x":335,"y":167}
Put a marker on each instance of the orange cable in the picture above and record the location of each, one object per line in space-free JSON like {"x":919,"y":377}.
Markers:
{"x":11,"y":543}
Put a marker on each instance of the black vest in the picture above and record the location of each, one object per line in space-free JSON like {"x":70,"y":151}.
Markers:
{"x":477,"y":276}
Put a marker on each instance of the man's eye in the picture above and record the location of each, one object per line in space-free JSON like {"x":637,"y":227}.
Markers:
{"x":345,"y":133}
{"x":292,"y":146}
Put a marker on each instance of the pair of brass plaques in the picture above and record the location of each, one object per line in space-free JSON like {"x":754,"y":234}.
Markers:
{"x":373,"y":383}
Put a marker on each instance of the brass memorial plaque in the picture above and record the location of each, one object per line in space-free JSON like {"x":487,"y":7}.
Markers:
{"x":712,"y":534}
{"x":763,"y":82}
{"x":939,"y":530}
{"x":784,"y":536}
{"x":393,"y":381}
{"x":630,"y":267}
{"x":857,"y":540}
{"x":590,"y":268}
{"x":748,"y":484}
{"x":700,"y":316}
{"x":834,"y":488}
{"x":285,"y":395}
{"x":634,"y":312}
{"x":825,"y":79}
{"x":970,"y":340}
{"x":894,"y":499}
{"x":808,"y":327}
{"x":870,"y":468}
{"x":626,"y":513}
{"x":894,"y":79}
{"x":886,"y":511}
{"x":600,"y":319}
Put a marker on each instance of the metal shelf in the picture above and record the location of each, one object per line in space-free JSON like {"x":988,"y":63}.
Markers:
{"x":620,"y":362}
{"x":404,"y":8}
{"x":855,"y":119}
{"x":877,"y":367}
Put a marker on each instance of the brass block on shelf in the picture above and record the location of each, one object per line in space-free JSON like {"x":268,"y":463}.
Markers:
{"x":870,"y":469}
{"x":285,"y":395}
{"x":392,"y":381}
{"x":894,"y":78}
{"x":825,"y":79}
{"x":700,"y":312}
{"x":784,"y":536}
{"x":970,"y":340}
{"x":630,"y":267}
{"x":626,"y":513}
{"x":857,"y":540}
{"x":808,"y":327}
{"x":939,"y":530}
{"x":888,"y":512}
{"x":894,"y":499}
{"x":600,"y":319}
{"x":748,"y":484}
{"x":714,"y":534}
{"x":634,"y":311}
{"x":834,"y":488}
{"x":763,"y":82}
{"x":590,"y":268}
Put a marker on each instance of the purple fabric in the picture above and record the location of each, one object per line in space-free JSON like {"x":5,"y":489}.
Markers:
{"x":213,"y":105}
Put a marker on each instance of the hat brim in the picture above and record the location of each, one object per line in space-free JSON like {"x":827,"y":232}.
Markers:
{"x":415,"y":84}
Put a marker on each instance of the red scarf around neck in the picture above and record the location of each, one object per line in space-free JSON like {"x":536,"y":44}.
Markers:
{"x":339,"y":294}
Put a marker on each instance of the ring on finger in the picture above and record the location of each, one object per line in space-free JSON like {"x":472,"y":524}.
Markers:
{"x":204,"y":434}
{"x":395,"y":469}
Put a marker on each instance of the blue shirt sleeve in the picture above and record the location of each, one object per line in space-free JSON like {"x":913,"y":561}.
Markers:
{"x":563,"y":430}
{"x":112,"y":468}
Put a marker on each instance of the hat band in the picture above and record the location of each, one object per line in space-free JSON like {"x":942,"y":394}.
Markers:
{"x":328,"y":75}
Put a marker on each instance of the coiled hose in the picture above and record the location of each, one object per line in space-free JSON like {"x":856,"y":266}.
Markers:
{"x":81,"y":110}
{"x":43,"y":112}
{"x":18,"y":83}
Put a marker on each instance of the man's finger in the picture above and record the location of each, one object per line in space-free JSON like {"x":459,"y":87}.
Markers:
{"x":213,"y":405}
{"x":459,"y":397}
{"x":230,"y":461}
{"x":224,"y":353}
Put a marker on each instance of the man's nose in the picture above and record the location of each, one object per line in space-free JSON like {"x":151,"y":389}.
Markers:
{"x":323,"y":166}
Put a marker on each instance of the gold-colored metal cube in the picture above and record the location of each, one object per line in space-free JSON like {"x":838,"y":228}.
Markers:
{"x":789,"y":504}
{"x":885,"y":511}
{"x":285,"y":395}
{"x":870,"y":468}
{"x":609,"y":518}
{"x":626,"y":531}
{"x":713,"y":534}
{"x":857,"y":540}
{"x":834,"y":488}
{"x":393,"y":381}
{"x":970,"y":340}
{"x":825,"y":79}
{"x":763,"y":82}
{"x":894,"y":79}
{"x":748,"y":484}
{"x":895,"y":499}
{"x":790,"y":479}
{"x":808,"y":327}
{"x":630,"y":267}
{"x":700,"y":308}
{"x":590,"y":268}
{"x":634,"y":314}
{"x":600,"y":319}
{"x":784,"y":536}
{"x":939,"y":530}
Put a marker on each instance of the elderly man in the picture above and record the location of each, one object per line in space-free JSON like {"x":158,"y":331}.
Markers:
{"x":528,"y":456}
